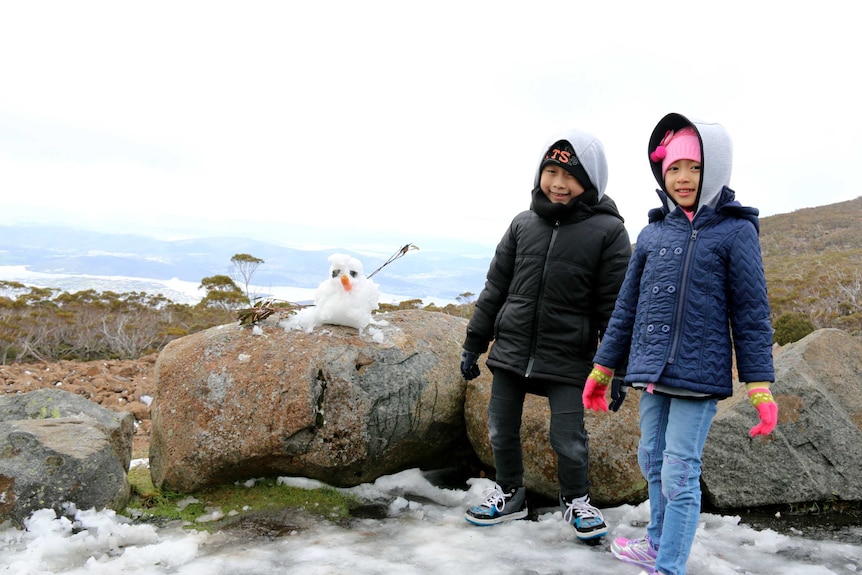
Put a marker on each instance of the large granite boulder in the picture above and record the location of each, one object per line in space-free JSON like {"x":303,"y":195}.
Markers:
{"x":58,"y":448}
{"x":335,"y":405}
{"x":614,"y":473}
{"x":815,"y":452}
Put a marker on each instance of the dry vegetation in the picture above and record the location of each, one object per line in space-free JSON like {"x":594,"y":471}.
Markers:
{"x":813,"y":263}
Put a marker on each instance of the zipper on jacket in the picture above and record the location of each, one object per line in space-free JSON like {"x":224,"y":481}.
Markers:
{"x":683,"y":292}
{"x":535,"y":335}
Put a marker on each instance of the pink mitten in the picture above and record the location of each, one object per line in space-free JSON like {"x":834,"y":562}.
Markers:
{"x":762,"y":400}
{"x":597,"y":387}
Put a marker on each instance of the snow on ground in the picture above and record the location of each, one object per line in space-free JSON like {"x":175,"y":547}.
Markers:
{"x":423,"y":533}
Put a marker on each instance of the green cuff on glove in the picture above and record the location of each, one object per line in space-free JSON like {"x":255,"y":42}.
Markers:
{"x":758,"y":392}
{"x":601,"y":374}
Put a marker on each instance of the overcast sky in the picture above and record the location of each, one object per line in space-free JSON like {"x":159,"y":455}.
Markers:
{"x":411,"y":119}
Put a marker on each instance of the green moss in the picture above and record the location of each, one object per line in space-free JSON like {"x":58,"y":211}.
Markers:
{"x":149,"y":504}
{"x":44,"y":413}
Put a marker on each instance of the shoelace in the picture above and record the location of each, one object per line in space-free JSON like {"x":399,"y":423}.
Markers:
{"x":581,"y":509}
{"x":494,"y":498}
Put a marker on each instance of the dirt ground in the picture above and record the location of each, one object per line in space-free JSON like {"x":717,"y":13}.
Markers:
{"x":120,"y":385}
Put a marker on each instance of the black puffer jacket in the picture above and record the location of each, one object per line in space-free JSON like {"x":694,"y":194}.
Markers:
{"x":553,"y":281}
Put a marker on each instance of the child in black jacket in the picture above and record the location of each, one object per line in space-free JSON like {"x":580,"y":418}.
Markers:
{"x":549,"y":293}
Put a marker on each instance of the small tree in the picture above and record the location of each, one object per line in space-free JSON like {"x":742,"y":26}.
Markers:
{"x":466,"y":297}
{"x":222,"y":293}
{"x":245,"y":266}
{"x":791,"y":327}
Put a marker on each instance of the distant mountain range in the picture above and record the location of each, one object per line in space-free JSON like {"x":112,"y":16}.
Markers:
{"x":74,"y":259}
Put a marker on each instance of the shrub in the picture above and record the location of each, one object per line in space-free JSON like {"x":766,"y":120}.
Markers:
{"x":791,"y":327}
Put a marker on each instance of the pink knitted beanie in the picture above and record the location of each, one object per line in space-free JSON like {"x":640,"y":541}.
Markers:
{"x":680,"y":145}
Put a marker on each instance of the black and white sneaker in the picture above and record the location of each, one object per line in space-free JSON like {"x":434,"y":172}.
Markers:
{"x":499,"y":506}
{"x":587,"y":520}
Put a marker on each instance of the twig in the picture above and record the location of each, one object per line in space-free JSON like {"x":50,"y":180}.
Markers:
{"x":395,"y":256}
{"x":262,"y":310}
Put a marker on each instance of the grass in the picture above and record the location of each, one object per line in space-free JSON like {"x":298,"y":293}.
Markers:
{"x":149,"y":504}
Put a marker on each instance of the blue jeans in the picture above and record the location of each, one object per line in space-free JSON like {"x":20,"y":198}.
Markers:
{"x":568,"y":436}
{"x":673,"y":432}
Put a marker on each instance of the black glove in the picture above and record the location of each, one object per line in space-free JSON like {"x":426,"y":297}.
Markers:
{"x":618,"y":393}
{"x":469,"y":365}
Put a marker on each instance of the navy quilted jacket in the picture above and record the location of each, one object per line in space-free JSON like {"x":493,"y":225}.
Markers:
{"x":694,"y":291}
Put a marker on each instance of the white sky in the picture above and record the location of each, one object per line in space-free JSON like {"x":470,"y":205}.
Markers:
{"x":424,"y":534}
{"x":409,"y":119}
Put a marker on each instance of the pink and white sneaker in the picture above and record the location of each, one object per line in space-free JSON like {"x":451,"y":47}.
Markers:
{"x":638,"y":552}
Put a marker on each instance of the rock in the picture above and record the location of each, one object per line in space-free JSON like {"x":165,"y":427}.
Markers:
{"x":52,"y":403}
{"x":65,"y":454}
{"x":90,"y":380}
{"x":815,"y":452}
{"x":332,"y":404}
{"x":614,"y":473}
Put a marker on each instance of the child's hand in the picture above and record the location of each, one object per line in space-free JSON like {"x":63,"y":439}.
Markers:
{"x":596,"y":388}
{"x":762,"y":400}
{"x":618,"y":393}
{"x":469,"y":365}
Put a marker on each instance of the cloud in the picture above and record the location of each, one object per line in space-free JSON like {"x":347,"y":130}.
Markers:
{"x":403,"y":118}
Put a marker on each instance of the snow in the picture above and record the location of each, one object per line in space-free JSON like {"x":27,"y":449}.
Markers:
{"x":345,"y":298}
{"x":423,"y":533}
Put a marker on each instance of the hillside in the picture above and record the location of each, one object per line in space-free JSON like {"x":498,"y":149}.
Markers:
{"x":813,"y":263}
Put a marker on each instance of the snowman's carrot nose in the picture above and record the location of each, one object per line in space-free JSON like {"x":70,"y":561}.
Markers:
{"x":345,"y":282}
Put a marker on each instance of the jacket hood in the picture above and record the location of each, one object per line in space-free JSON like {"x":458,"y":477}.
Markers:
{"x":716,"y":160}
{"x":589,"y":151}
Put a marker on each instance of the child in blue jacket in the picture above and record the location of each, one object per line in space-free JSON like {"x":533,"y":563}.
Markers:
{"x":694,"y":293}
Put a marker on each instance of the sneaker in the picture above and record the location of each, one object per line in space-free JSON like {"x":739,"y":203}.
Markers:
{"x":635,"y":551}
{"x":586,"y":519}
{"x":499,"y":506}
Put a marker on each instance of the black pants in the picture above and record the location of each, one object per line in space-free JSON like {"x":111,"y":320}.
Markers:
{"x":568,"y":436}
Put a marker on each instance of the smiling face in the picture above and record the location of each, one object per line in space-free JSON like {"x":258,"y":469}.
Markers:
{"x":682,"y":181}
{"x":558,"y":185}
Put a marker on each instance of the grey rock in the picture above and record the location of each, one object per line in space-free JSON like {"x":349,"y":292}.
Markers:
{"x":815,"y":452}
{"x":46,"y":463}
{"x":47,"y":403}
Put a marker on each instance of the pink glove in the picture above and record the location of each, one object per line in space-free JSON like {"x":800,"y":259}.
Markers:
{"x":597,"y":387}
{"x":762,"y":400}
